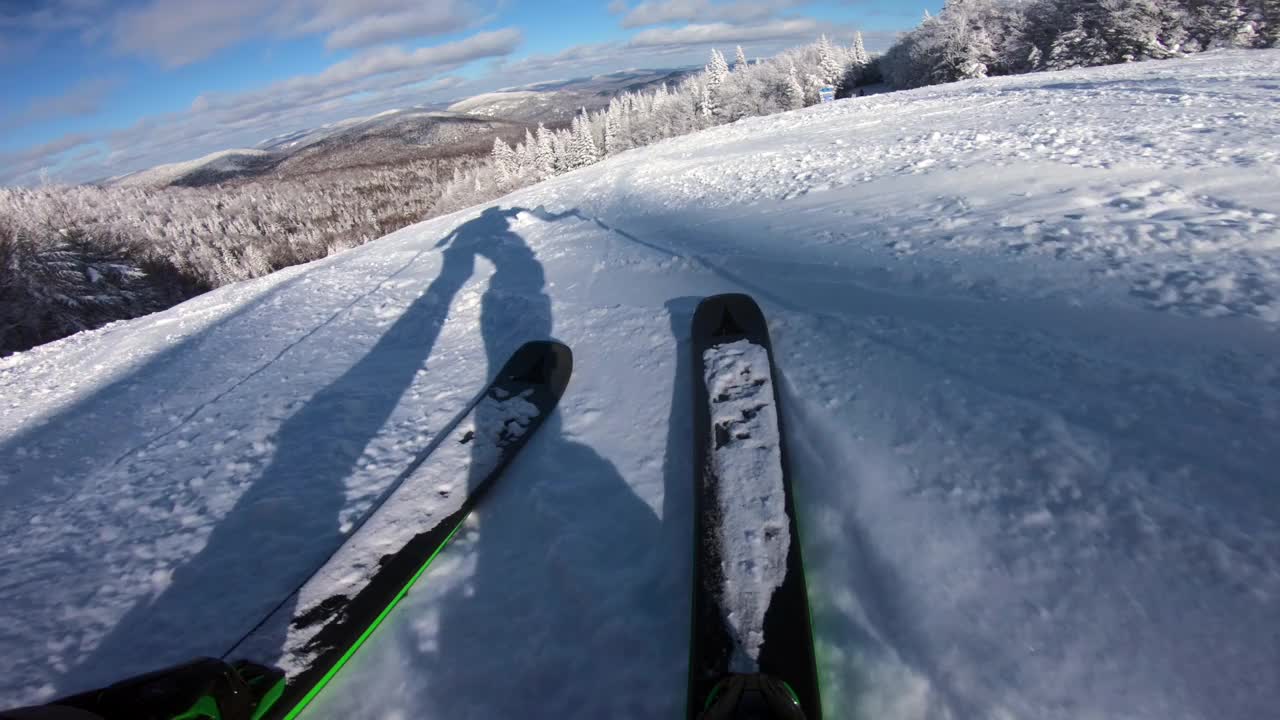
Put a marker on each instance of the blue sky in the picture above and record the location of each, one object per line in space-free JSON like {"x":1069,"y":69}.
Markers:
{"x":94,"y":88}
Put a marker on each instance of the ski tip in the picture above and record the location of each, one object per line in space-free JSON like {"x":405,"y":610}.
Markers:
{"x":548,"y":363}
{"x":728,"y":317}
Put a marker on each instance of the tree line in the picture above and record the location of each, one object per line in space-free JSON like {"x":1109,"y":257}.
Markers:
{"x":972,"y":39}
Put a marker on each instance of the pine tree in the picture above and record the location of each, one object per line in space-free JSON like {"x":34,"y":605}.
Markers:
{"x":525,"y":153}
{"x":582,"y":147}
{"x":716,"y":72}
{"x":1101,"y":32}
{"x":612,"y":129}
{"x":504,"y":160}
{"x":829,"y":67}
{"x":793,"y":91}
{"x":1266,"y":20}
{"x":739,"y":60}
{"x":544,"y":157}
{"x":859,"y":51}
{"x":1218,"y":23}
{"x":560,"y":151}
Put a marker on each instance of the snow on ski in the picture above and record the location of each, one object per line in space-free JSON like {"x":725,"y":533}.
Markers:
{"x":750,"y":606}
{"x":752,"y":529}
{"x":336,"y":610}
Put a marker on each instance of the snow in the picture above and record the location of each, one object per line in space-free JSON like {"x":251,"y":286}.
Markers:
{"x":165,"y":174}
{"x":1026,"y":339}
{"x":753,"y":530}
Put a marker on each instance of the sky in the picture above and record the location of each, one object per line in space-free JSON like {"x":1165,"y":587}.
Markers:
{"x":97,"y":88}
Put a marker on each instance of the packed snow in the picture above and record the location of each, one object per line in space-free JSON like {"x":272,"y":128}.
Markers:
{"x":1029,"y":373}
{"x":753,"y":537}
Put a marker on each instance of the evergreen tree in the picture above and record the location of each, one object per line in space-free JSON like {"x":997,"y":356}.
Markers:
{"x":525,"y":152}
{"x":793,"y":91}
{"x":739,"y":60}
{"x":560,"y":152}
{"x":1101,"y":32}
{"x":612,"y":129}
{"x":545,"y":155}
{"x":859,"y":51}
{"x":1265,"y":16}
{"x":504,"y":160}
{"x":830,"y":69}
{"x":1218,"y":23}
{"x":716,"y":72}
{"x":582,"y":147}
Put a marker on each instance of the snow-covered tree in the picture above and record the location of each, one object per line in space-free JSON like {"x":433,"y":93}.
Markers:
{"x":793,"y":91}
{"x":830,"y":69}
{"x":504,"y":160}
{"x":739,"y":59}
{"x":545,"y":155}
{"x":716,"y":72}
{"x":582,"y":146}
{"x":859,"y":51}
{"x":613,"y":129}
{"x":525,"y":155}
{"x":1100,"y":32}
{"x":560,"y":152}
{"x":1218,"y":23}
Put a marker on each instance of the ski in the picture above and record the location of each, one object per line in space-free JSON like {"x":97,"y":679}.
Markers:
{"x":311,"y":638}
{"x":751,"y":651}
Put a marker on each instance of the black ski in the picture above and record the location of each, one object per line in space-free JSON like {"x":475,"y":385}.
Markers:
{"x":321,"y":632}
{"x":751,"y":651}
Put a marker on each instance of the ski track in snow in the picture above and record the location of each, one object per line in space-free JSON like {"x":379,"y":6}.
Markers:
{"x":1026,"y":330}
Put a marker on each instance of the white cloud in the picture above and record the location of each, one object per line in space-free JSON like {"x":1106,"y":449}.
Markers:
{"x":657,"y":12}
{"x":179,"y":33}
{"x":705,"y":34}
{"x":432,"y":18}
{"x":449,"y":82}
{"x":25,"y":164}
{"x":83,"y":98}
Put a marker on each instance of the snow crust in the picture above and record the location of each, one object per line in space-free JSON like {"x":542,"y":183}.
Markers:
{"x":746,"y":456}
{"x":1026,"y":339}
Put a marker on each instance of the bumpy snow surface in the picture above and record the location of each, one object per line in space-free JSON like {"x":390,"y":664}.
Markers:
{"x":1026,"y":335}
{"x":746,"y":456}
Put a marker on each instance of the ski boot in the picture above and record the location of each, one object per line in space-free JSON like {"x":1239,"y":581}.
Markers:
{"x":751,"y":697}
{"x":204,"y":689}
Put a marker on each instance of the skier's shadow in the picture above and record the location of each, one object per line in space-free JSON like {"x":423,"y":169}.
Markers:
{"x":561,"y":570}
{"x":285,"y":525}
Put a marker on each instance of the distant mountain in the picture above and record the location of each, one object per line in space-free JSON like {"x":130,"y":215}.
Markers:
{"x":392,"y":136}
{"x":212,"y":168}
{"x":560,"y":100}
{"x":466,"y":127}
{"x":388,"y":137}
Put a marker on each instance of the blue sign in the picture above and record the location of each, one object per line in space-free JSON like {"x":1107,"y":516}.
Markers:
{"x":827,"y":94}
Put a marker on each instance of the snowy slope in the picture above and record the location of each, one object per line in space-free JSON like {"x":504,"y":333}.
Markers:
{"x":222,"y":162}
{"x":1030,"y":373}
